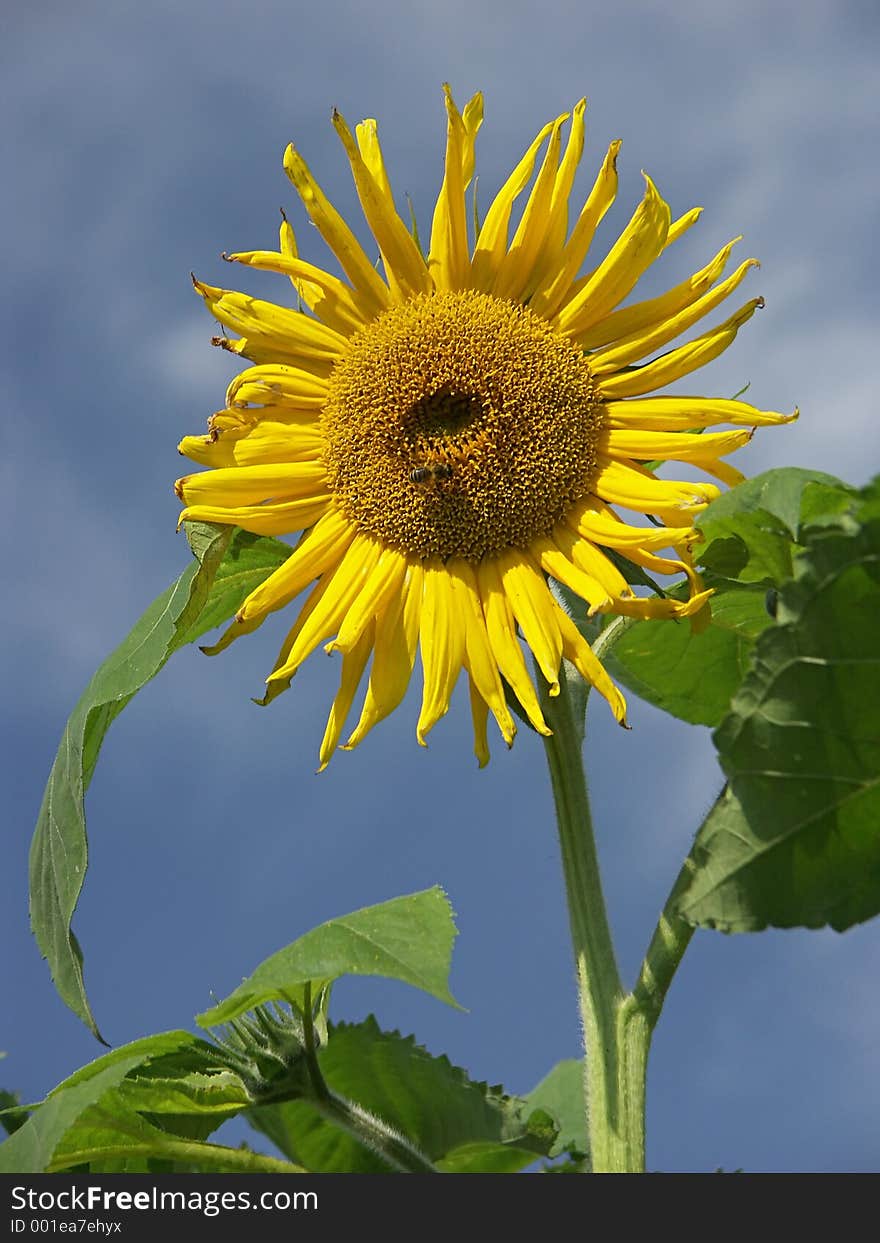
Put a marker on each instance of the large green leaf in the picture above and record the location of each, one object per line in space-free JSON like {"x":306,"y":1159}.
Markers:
{"x":226,"y":568}
{"x":693,"y":676}
{"x":561,"y":1094}
{"x":30,"y":1149}
{"x":750,"y":535}
{"x":461,"y":1125}
{"x":407,"y":939}
{"x":749,"y":532}
{"x":142,"y":1108}
{"x":796,"y":838}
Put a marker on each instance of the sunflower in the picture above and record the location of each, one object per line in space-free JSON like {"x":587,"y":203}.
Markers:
{"x":449,"y":436}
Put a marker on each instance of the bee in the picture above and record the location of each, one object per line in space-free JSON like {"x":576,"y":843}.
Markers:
{"x":422,"y":474}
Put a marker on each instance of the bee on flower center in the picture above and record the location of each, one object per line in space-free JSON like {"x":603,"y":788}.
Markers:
{"x":424,"y":474}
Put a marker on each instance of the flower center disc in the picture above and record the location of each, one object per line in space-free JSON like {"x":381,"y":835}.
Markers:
{"x":459,"y":425}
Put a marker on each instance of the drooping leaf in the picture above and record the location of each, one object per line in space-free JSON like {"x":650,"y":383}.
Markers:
{"x":249,"y":559}
{"x":561,"y":1094}
{"x":226,"y":568}
{"x":459,"y":1124}
{"x":795,"y":840}
{"x":407,"y":939}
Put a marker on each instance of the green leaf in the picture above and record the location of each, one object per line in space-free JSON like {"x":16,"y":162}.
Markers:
{"x":485,"y":1157}
{"x":751,"y":535}
{"x":13,"y":1114}
{"x":692,"y":676}
{"x":561,"y":1094}
{"x":140,"y":1108}
{"x":470,"y":1126}
{"x":227,"y":567}
{"x":748,"y":532}
{"x":794,"y":841}
{"x":31,"y":1148}
{"x":249,"y":560}
{"x":407,"y":939}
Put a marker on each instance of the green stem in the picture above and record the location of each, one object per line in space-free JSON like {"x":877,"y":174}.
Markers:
{"x":399,"y":1153}
{"x":615,"y":1102}
{"x":617,"y":1027}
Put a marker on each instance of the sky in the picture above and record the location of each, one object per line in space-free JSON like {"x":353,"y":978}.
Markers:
{"x":140,"y":140}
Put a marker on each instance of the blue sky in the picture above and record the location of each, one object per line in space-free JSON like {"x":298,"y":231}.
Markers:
{"x":139,"y":141}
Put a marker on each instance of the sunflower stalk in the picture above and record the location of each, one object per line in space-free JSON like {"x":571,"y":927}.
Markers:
{"x":617,"y":1026}
{"x":399,"y":1154}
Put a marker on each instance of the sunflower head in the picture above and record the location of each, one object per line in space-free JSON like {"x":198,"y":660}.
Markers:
{"x":448,"y":433}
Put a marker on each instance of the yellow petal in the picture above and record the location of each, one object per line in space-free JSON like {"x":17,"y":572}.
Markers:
{"x":657,"y":609}
{"x":722,"y":470}
{"x":640,"y":344}
{"x":480,"y":718}
{"x":308,"y":292}
{"x":340,"y":307}
{"x":679,"y":362}
{"x":631,"y":320}
{"x":492,"y":241}
{"x":557,"y":285}
{"x":668,"y":414}
{"x":554,"y":561}
{"x":624,"y":483}
{"x":249,"y":485}
{"x":353,"y":665}
{"x":269,"y":385}
{"x":506,"y":650}
{"x":533,"y":608}
{"x":557,"y":225}
{"x":577,"y":650}
{"x":442,"y":641}
{"x":278,"y":686}
{"x":346,"y":580}
{"x":589,"y":560}
{"x":449,"y":260}
{"x":336,"y":232}
{"x":404,"y":266}
{"x":516,"y":274}
{"x":394,"y":654}
{"x":321,"y":548}
{"x":671,"y":446}
{"x":634,"y":251}
{"x":315,"y":551}
{"x":384,"y":582}
{"x":597,"y":522}
{"x":250,"y":446}
{"x":682,"y":224}
{"x":278,"y":329}
{"x":278,"y":518}
{"x":479,"y":661}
